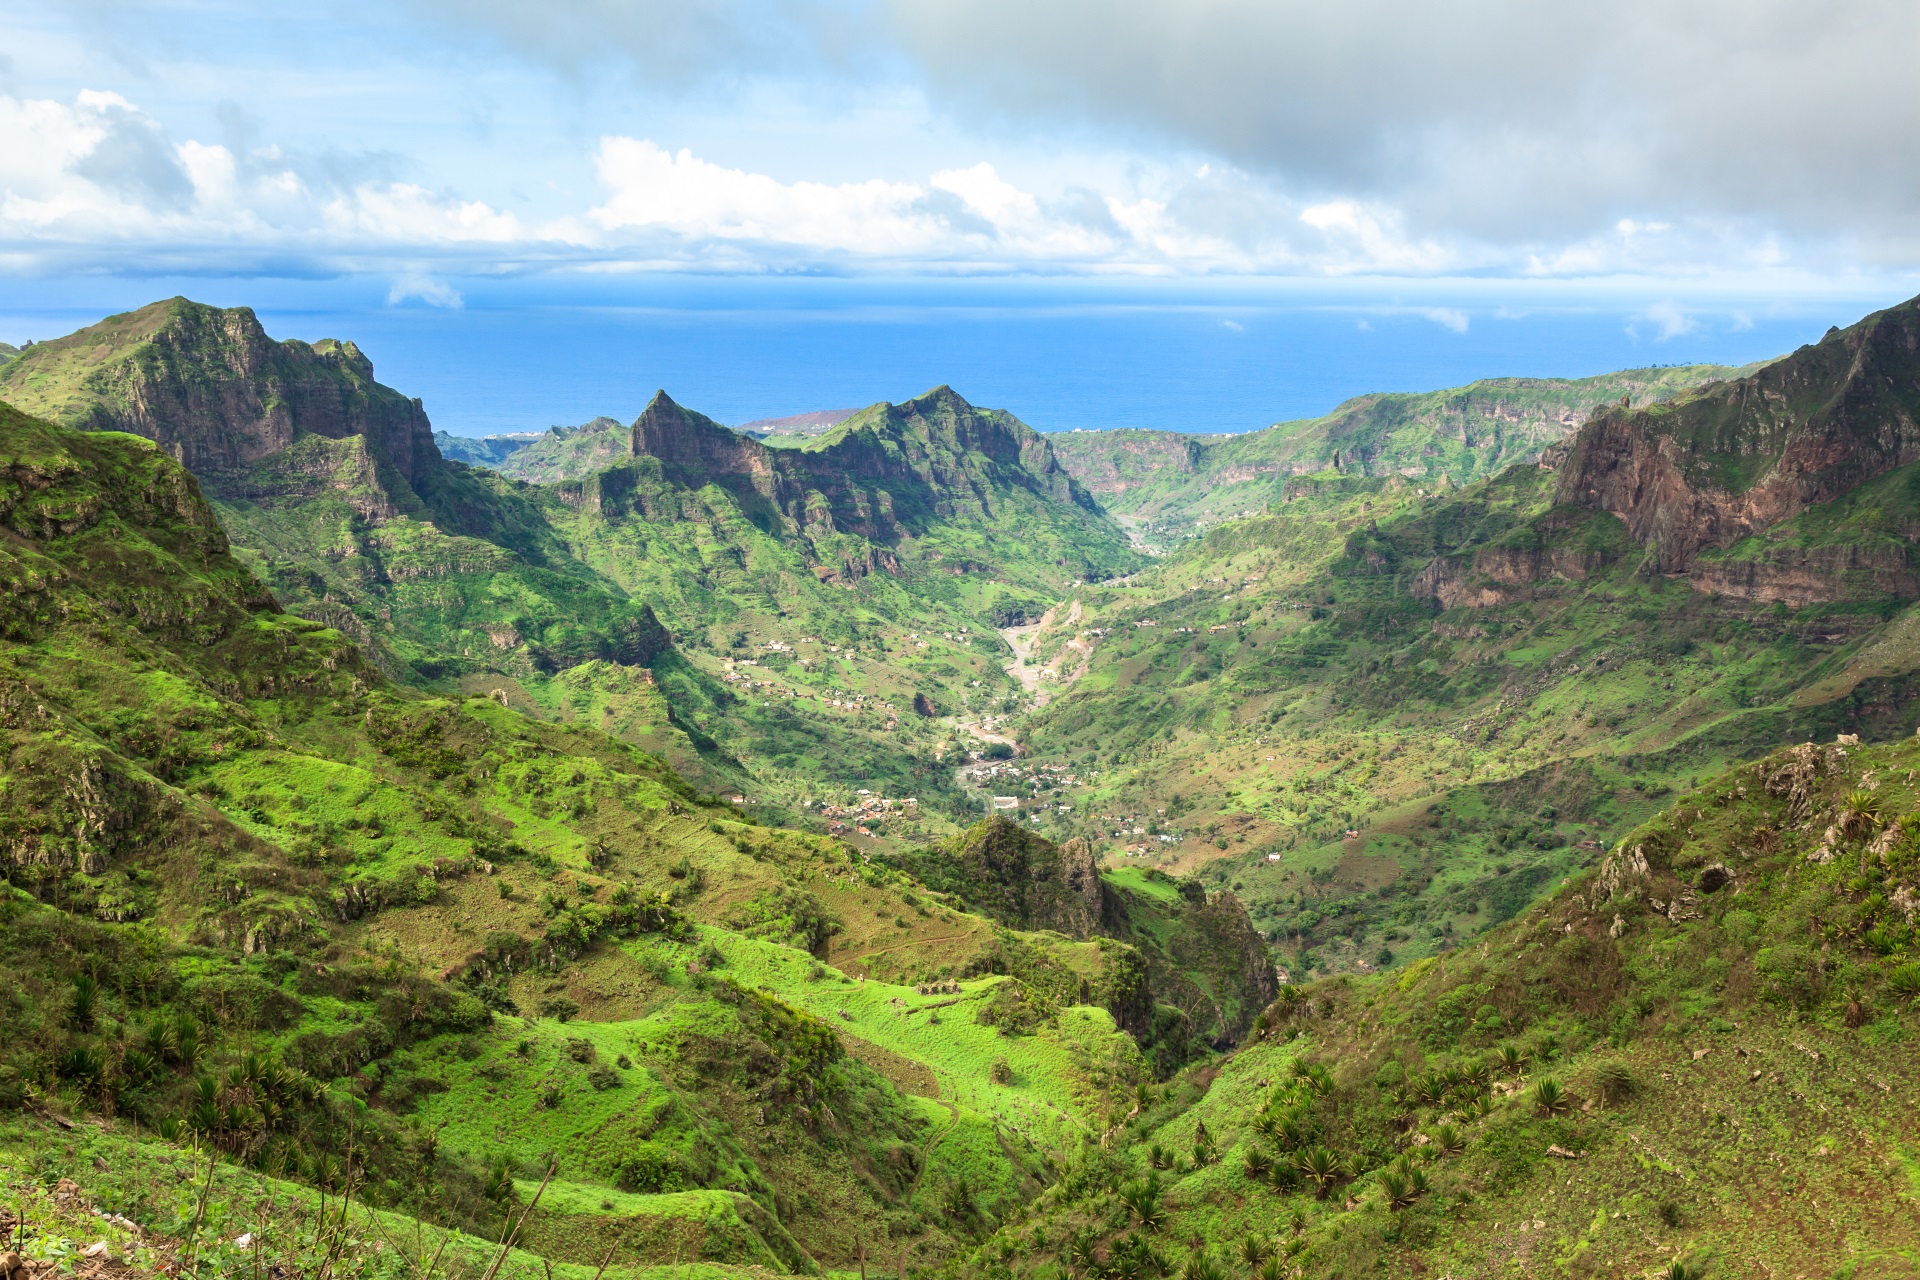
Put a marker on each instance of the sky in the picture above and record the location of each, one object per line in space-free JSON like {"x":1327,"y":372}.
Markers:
{"x":1650,"y":182}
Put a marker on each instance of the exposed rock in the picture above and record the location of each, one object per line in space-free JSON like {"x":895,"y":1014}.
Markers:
{"x":1804,"y":430}
{"x":212,"y":389}
{"x":1714,"y":877}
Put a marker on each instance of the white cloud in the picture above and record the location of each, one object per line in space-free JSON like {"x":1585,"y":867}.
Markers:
{"x":1448,"y":318}
{"x":419,"y":286}
{"x":1669,"y":320}
{"x":96,"y":178}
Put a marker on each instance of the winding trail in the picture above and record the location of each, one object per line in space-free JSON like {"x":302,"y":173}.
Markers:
{"x":926,"y":1153}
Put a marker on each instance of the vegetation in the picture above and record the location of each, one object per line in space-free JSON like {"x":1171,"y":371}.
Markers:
{"x":1397,"y":882}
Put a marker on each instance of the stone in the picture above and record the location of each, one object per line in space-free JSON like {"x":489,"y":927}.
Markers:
{"x":1714,"y":877}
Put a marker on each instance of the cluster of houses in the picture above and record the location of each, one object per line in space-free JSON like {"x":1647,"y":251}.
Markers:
{"x":866,"y":812}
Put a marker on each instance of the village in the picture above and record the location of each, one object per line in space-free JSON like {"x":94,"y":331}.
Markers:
{"x":866,"y":812}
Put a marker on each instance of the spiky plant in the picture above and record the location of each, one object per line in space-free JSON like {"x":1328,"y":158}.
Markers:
{"x":1905,"y":981}
{"x":1614,"y":1082}
{"x":1430,"y":1090}
{"x":1446,"y":1140}
{"x":86,"y":993}
{"x":1142,"y":1198}
{"x":1203,"y":1266}
{"x":1259,"y":1164}
{"x":1321,"y":1167}
{"x":1549,"y":1099}
{"x":1254,"y":1250}
{"x":1510,"y":1059}
{"x":1159,"y":1157}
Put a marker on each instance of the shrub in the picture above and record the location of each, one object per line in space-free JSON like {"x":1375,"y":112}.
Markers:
{"x":1614,"y":1082}
{"x":558,"y":1008}
{"x":1001,"y":1071}
{"x":1549,"y":1099}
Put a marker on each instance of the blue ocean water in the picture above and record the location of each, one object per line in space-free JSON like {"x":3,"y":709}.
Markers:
{"x":1188,"y":356}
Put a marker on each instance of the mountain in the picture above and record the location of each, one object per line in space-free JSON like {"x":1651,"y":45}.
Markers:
{"x":564,"y":595}
{"x":7,"y":352}
{"x":486,"y":451}
{"x":1389,"y":718}
{"x":265,"y":909}
{"x":1168,"y":485}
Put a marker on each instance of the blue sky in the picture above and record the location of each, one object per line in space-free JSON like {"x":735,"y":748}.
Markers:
{"x":1689,"y":169}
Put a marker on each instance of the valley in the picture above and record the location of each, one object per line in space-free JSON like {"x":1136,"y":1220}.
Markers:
{"x":1467,"y":833}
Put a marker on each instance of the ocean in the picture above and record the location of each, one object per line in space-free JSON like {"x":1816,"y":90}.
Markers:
{"x":1198,"y":356}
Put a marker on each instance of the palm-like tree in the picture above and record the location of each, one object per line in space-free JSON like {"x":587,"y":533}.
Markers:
{"x":1321,"y":1166}
{"x":1254,"y":1250}
{"x":1142,"y":1199}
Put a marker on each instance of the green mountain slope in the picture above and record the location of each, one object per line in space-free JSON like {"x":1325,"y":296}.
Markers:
{"x":261,"y":901}
{"x":1693,"y":1059}
{"x":874,"y":554}
{"x":1388,"y":719}
{"x":1168,"y":486}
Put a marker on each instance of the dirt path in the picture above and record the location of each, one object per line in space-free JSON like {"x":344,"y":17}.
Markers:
{"x":926,"y":1153}
{"x":1020,"y":640}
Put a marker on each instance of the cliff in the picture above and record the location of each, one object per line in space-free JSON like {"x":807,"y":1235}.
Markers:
{"x":1737,"y":458}
{"x":212,"y":389}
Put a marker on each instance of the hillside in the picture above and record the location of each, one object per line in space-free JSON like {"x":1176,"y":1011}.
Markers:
{"x":1168,"y":486}
{"x":268,"y":912}
{"x":1388,"y":719}
{"x":1692,"y":1060}
{"x":565,"y":598}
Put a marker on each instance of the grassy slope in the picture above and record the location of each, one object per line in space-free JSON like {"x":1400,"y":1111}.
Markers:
{"x":298,"y":851}
{"x":1295,"y":689}
{"x":1734,"y":1066}
{"x":1169,"y":487}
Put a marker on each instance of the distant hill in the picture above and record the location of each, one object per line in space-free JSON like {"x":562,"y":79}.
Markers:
{"x":1168,"y":485}
{"x":819,"y":422}
{"x":8,"y":351}
{"x":483,"y":451}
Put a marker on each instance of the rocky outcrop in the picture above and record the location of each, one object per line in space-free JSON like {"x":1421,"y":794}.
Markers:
{"x":887,"y":471}
{"x":1026,"y":881}
{"x":211,"y":388}
{"x":1814,"y":575}
{"x":1501,"y":574}
{"x":1737,"y":458}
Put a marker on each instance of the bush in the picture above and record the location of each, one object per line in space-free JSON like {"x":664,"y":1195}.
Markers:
{"x":558,"y":1007}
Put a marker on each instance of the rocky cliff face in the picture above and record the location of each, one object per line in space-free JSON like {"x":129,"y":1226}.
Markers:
{"x":212,"y":389}
{"x":1740,"y":457}
{"x":885,"y":472}
{"x":1027,"y":882}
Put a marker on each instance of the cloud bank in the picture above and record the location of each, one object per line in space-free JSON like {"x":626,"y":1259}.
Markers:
{"x":1285,"y":137}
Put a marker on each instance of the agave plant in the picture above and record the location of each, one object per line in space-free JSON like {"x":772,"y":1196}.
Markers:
{"x":1290,"y":1133}
{"x":1510,"y":1059}
{"x":1202,"y":1266}
{"x":1476,"y":1072}
{"x":1905,"y":981}
{"x":1322,"y":1167}
{"x":1859,"y":813}
{"x":1429,"y":1090}
{"x":83,"y":1066}
{"x":1259,"y":1164}
{"x":170,"y":1129}
{"x":1396,"y":1188}
{"x":1159,"y":1157}
{"x":1445,"y":1140}
{"x":1082,"y":1255}
{"x":1255,"y":1250}
{"x":1274,"y":1268}
{"x":1615,"y":1082}
{"x":1549,"y":1099}
{"x":86,"y":992}
{"x":1142,"y":1198}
